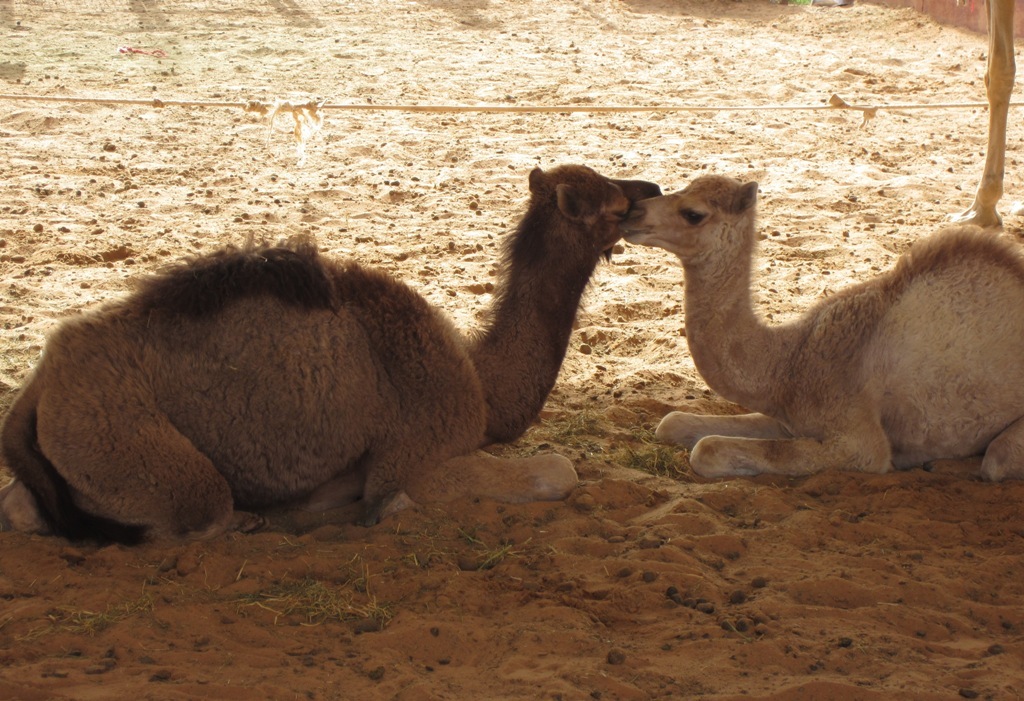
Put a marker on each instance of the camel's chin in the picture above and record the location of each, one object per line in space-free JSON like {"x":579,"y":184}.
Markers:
{"x":652,"y":239}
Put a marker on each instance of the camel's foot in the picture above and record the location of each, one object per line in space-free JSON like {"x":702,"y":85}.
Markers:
{"x":1004,"y":457}
{"x":978,"y":215}
{"x":714,"y":456}
{"x":19,"y":510}
{"x":540,"y":478}
{"x":513,"y":480}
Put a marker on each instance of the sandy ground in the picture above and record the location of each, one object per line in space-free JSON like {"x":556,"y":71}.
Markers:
{"x":647,"y":582}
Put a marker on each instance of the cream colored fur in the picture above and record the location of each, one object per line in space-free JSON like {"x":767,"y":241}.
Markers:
{"x":923,"y":362}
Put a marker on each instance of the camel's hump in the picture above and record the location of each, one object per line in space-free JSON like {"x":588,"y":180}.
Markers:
{"x":293,"y":271}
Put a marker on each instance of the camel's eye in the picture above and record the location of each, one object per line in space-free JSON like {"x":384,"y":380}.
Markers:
{"x":692,"y":216}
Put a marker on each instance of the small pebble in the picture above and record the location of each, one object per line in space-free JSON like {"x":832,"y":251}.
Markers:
{"x":468,"y":564}
{"x":585,"y":503}
{"x":368,"y":625}
{"x":737,"y":597}
{"x":616,"y":657}
{"x":969,"y":693}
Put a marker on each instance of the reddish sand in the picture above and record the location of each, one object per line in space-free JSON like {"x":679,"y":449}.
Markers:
{"x":641,"y":585}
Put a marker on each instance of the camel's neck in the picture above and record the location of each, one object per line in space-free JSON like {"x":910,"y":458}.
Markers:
{"x":736,"y":353}
{"x":519,"y":353}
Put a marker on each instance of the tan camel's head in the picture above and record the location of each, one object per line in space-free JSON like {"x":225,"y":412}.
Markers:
{"x":709,"y":213}
{"x":592,"y":205}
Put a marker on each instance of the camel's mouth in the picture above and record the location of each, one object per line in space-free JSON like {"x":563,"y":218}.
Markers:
{"x":633,"y":231}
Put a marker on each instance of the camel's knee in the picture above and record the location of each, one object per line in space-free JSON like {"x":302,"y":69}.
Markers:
{"x":872,"y":454}
{"x":19,"y":510}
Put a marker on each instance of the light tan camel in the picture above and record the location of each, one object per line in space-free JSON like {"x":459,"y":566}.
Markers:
{"x":999,"y":75}
{"x":259,"y":376}
{"x":920,"y":363}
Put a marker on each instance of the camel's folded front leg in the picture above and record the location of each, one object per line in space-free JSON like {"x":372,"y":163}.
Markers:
{"x":680,"y":428}
{"x":720,"y":456}
{"x":1004,"y":457}
{"x":547,"y":477}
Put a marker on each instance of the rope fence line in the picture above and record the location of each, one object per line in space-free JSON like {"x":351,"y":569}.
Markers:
{"x":308,"y":116}
{"x":835,"y":102}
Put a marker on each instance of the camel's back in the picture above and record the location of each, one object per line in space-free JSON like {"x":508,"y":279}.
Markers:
{"x":947,"y":358}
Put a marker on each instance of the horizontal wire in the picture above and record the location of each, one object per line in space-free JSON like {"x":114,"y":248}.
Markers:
{"x":561,"y":109}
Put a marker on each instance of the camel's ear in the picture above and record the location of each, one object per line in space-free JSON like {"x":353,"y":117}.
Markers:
{"x":536,"y":178}
{"x":745,"y":198}
{"x":568,"y":202}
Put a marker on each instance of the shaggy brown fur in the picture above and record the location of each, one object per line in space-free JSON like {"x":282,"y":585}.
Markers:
{"x":261,"y":376}
{"x":919,"y":363}
{"x":294,"y":273}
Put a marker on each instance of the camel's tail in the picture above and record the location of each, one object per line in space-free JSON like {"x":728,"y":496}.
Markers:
{"x":53,"y":496}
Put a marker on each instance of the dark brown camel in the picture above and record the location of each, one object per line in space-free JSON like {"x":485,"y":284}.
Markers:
{"x":262,"y":376}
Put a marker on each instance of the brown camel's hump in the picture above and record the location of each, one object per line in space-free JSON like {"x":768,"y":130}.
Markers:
{"x":292,"y":272}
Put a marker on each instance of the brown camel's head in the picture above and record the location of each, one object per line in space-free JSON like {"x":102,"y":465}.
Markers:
{"x":588,"y":205}
{"x":712,"y":213}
